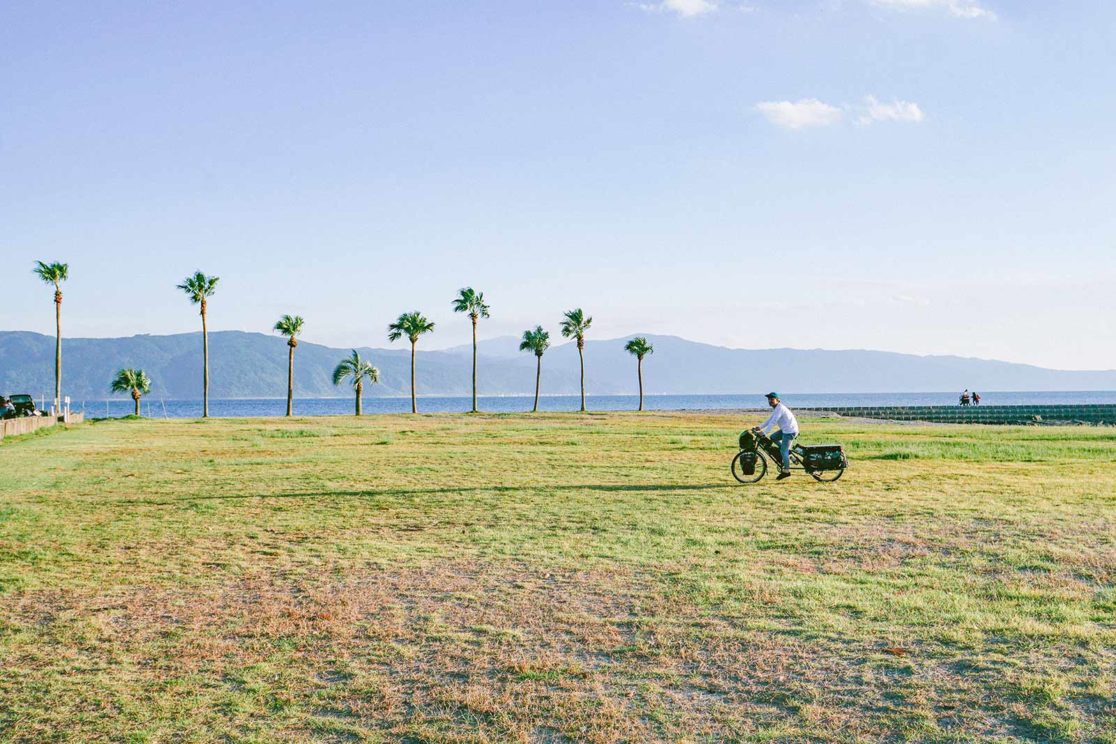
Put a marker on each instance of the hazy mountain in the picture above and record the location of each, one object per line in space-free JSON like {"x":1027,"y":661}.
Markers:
{"x":253,"y":365}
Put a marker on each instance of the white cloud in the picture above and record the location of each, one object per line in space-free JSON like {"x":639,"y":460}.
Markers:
{"x":683,"y":8}
{"x":956,"y":8}
{"x":904,"y":111}
{"x":808,"y":112}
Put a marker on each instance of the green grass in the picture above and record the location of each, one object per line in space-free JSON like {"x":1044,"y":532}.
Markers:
{"x":553,"y":578}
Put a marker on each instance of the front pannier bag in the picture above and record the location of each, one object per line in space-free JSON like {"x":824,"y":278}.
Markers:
{"x":824,"y":457}
{"x":748,"y":463}
{"x":748,"y":441}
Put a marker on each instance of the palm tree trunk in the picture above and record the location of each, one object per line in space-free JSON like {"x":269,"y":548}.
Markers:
{"x":290,"y":379}
{"x":581,"y":358}
{"x":58,"y":350}
{"x":136,"y":398}
{"x":538,"y":379}
{"x":639,"y":368}
{"x":359,"y":390}
{"x":205,"y":364}
{"x":414,"y":401}
{"x":474,"y":365}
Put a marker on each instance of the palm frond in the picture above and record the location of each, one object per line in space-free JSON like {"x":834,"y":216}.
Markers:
{"x":127,"y":380}
{"x":359,"y":370}
{"x":289,"y":325}
{"x":198,"y":286}
{"x":412,"y":325}
{"x":472,"y":302}
{"x":575,"y":323}
{"x":639,"y":346}
{"x":536,"y":341}
{"x":52,"y":273}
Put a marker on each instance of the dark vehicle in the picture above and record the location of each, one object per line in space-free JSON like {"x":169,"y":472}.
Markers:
{"x":20,"y":405}
{"x":824,"y":462}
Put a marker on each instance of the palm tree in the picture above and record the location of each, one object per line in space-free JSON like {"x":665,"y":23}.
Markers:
{"x":198,"y":288}
{"x":537,"y":341}
{"x":469,"y":301}
{"x":358,"y":370}
{"x":411,"y":325}
{"x":640,"y":348}
{"x":574,"y":325}
{"x":55,"y":273}
{"x":290,"y":326}
{"x":134,"y":381}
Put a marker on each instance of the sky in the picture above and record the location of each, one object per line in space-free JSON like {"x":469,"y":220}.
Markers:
{"x":921,"y":176}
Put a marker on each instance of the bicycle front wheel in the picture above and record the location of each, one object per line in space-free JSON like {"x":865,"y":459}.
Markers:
{"x":740,"y":475}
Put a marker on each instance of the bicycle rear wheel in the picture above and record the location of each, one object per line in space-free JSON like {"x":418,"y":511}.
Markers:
{"x":738,"y":471}
{"x":827,"y":476}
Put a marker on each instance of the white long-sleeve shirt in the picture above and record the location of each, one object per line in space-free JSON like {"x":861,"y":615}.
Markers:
{"x":782,"y":419}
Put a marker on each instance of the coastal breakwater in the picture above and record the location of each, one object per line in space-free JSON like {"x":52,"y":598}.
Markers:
{"x":1096,"y":414}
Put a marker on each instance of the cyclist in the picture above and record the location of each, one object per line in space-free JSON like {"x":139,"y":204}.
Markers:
{"x":782,"y":419}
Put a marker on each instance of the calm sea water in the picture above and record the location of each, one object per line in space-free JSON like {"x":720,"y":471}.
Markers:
{"x":157,"y":408}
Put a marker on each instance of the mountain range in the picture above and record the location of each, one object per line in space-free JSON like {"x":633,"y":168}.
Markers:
{"x":254,"y":365}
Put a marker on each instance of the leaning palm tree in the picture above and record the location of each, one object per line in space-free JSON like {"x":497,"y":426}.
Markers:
{"x":133,"y":381}
{"x":411,"y":325}
{"x":290,"y":326}
{"x":55,"y":273}
{"x":472,"y":302}
{"x":536,"y":341}
{"x":640,"y":348}
{"x":358,"y":370}
{"x":574,"y":325}
{"x":199,"y":288}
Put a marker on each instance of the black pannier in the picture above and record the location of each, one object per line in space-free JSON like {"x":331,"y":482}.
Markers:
{"x":748,"y":441}
{"x":748,"y":463}
{"x":824,"y":457}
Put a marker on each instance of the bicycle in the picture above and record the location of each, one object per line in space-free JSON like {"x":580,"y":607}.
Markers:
{"x":824,"y":463}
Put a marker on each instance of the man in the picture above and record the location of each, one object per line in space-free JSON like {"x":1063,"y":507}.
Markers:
{"x":782,"y":419}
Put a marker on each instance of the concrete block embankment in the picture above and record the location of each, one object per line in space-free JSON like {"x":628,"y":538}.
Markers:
{"x":1062,"y":414}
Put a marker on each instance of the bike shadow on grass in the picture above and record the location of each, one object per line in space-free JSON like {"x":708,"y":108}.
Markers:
{"x":449,"y":490}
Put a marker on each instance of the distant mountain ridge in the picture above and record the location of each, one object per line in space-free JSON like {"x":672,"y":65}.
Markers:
{"x":253,"y":365}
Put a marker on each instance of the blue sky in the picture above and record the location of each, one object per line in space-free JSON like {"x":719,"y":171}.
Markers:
{"x":926,"y":176}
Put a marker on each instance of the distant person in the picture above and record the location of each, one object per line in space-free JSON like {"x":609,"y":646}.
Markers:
{"x":976,"y":398}
{"x":965,"y":397}
{"x":782,"y":419}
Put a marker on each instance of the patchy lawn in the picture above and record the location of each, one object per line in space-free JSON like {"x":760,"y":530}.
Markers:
{"x":553,"y":578}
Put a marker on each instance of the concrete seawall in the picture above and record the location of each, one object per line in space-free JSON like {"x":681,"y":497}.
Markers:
{"x":1087,"y":414}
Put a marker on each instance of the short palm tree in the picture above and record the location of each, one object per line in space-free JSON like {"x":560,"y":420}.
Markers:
{"x":357,"y":371}
{"x":199,"y":287}
{"x":411,"y":325}
{"x":133,"y":381}
{"x":55,"y":273}
{"x":640,"y":348}
{"x":574,"y":325}
{"x":537,"y":341}
{"x":290,"y":326}
{"x":472,"y":302}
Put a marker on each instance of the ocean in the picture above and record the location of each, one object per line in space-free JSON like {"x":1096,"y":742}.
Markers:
{"x":155,"y":407}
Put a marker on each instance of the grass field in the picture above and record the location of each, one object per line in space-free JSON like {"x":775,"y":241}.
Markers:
{"x":554,"y":578}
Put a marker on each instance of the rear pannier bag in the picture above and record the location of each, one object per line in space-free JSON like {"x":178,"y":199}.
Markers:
{"x":824,"y":457}
{"x":748,"y":463}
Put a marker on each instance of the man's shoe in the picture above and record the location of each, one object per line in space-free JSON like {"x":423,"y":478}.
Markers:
{"x":782,"y":476}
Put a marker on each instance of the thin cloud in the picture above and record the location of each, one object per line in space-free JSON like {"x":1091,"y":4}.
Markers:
{"x":956,"y":8}
{"x":682,"y":8}
{"x":901,"y":111}
{"x":802,"y":114}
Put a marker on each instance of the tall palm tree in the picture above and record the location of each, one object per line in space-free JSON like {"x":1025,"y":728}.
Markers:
{"x":290,"y":326}
{"x":536,"y":341}
{"x":574,"y":325}
{"x":55,"y":273}
{"x":199,"y":288}
{"x":640,"y":348}
{"x":358,"y":370}
{"x":411,"y":325}
{"x":472,"y":302}
{"x":133,"y":381}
